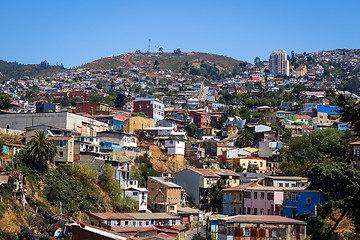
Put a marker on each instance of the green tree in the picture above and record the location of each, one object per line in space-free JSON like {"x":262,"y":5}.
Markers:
{"x":5,"y":101}
{"x":120,"y":100}
{"x":161,"y":49}
{"x":327,"y":145}
{"x":156,"y":63}
{"x":214,"y":193}
{"x":350,"y":112}
{"x":139,"y":114}
{"x":257,"y":61}
{"x":191,"y":130}
{"x":40,"y":149}
{"x":245,"y":139}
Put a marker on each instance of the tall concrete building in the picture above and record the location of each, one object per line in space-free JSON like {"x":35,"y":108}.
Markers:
{"x":279,"y":65}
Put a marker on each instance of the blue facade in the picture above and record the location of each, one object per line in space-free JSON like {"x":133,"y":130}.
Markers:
{"x":343,"y":126}
{"x":329,"y":109}
{"x":109,"y":145}
{"x":117,"y":124}
{"x":304,"y":203}
{"x":227,"y":203}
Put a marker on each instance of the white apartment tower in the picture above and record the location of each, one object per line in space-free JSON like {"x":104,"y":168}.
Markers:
{"x":279,"y":65}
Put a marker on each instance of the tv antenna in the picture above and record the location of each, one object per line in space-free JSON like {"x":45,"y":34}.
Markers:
{"x":149,"y":46}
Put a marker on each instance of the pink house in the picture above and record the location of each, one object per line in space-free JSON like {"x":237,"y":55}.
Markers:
{"x":263,"y":200}
{"x":355,"y":159}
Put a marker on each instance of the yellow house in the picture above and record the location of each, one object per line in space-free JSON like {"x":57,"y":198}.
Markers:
{"x":228,"y":131}
{"x":256,"y":164}
{"x":137,"y":123}
{"x":240,"y":91}
{"x":208,"y":131}
{"x":103,"y":107}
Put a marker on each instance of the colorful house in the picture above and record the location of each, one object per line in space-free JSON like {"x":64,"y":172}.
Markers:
{"x":137,"y":123}
{"x":297,"y":202}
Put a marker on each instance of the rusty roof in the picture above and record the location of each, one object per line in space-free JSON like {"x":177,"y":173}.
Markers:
{"x":240,"y":187}
{"x":215,"y":172}
{"x":262,"y":219}
{"x":124,"y":229}
{"x":110,"y":215}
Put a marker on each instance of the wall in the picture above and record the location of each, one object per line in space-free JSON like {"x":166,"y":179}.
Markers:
{"x":190,"y":181}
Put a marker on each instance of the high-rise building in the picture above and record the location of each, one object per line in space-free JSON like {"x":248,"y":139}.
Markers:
{"x":279,"y":65}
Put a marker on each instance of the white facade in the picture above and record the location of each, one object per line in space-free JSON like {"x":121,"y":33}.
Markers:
{"x":175,"y":147}
{"x":279,"y":65}
{"x":237,"y":153}
{"x":140,"y":195}
{"x":89,"y":144}
{"x":128,"y":141}
{"x":289,"y":183}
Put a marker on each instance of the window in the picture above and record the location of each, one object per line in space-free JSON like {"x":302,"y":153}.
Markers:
{"x":308,"y":201}
{"x":247,"y":194}
{"x":140,"y":223}
{"x":135,"y":193}
{"x":172,"y":208}
{"x":61,"y":154}
{"x":270,"y":196}
{"x":255,"y":211}
{"x":126,"y":223}
{"x":247,"y":232}
{"x":294,"y":232}
{"x":235,"y":210}
{"x":261,"y":164}
{"x":291,"y":196}
{"x":248,"y":211}
{"x":274,"y":233}
{"x":262,"y":195}
{"x":281,"y":184}
{"x":262,"y":212}
{"x":134,"y":122}
{"x":61,"y":143}
{"x":118,"y":222}
{"x":147,"y":223}
{"x":255,"y":195}
{"x":108,"y":222}
{"x":152,"y":189}
{"x":269,"y":212}
{"x":293,"y":185}
{"x":286,"y":185}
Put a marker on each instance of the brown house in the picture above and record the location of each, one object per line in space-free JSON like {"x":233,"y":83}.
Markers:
{"x":163,"y":196}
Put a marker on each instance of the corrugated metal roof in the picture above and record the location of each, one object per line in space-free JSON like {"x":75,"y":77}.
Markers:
{"x":262,"y":219}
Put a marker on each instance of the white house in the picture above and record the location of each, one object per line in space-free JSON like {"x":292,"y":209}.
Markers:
{"x":140,"y":195}
{"x":175,"y":146}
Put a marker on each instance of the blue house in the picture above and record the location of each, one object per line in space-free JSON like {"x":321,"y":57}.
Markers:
{"x":298,"y":202}
{"x":116,"y":122}
{"x":342,"y":126}
{"x":110,"y":146}
{"x":332,"y":110}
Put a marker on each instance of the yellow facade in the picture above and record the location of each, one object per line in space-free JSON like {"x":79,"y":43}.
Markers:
{"x":231,"y":130}
{"x":103,"y":107}
{"x":137,"y":123}
{"x":239,"y":91}
{"x":208,"y":131}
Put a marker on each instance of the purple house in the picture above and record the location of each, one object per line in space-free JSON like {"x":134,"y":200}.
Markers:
{"x":263,"y":200}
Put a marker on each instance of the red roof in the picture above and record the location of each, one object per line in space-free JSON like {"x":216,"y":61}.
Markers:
{"x":302,"y":116}
{"x":255,"y":158}
{"x":120,"y":117}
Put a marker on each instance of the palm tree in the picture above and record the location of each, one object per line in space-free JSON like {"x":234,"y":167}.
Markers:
{"x":40,"y":149}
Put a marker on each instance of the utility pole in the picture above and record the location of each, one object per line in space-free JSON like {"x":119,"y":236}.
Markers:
{"x":149,"y":46}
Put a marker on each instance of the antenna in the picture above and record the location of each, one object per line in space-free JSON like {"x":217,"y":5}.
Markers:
{"x":149,"y":46}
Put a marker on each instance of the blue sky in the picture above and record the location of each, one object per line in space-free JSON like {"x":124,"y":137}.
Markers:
{"x":78,"y":31}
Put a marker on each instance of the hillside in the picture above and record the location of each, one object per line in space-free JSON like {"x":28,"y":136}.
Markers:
{"x":16,"y":70}
{"x":174,"y":62}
